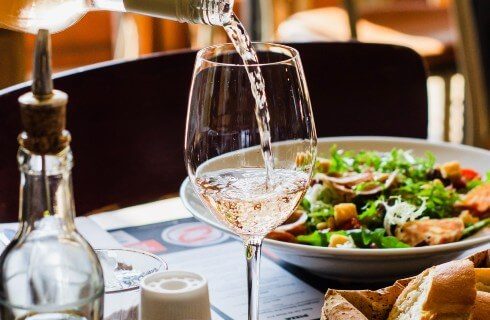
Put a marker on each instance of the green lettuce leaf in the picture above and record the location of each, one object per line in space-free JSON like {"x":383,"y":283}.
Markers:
{"x":365,"y":238}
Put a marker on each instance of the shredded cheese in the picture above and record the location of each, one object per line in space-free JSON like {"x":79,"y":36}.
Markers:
{"x":401,"y":212}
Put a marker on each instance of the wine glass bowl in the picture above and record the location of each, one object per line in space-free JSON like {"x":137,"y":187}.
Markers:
{"x":226,"y":148}
{"x":245,"y":202}
{"x":223,"y":134}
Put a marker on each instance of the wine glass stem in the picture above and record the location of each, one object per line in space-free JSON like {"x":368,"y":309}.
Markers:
{"x":253,"y":250}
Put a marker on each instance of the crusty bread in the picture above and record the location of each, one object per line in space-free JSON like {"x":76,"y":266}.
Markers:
{"x":481,"y":308}
{"x":483,"y":280}
{"x":337,"y":307}
{"x":453,"y":288}
{"x":446,"y":291}
{"x":372,"y":305}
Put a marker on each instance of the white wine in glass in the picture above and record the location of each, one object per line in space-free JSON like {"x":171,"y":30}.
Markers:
{"x":250,"y":190}
{"x":246,"y":203}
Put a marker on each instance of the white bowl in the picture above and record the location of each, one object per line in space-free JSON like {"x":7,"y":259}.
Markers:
{"x":368,"y":265}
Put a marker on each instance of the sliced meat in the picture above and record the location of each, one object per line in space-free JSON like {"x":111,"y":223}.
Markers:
{"x":477,"y":199}
{"x":346,"y":184}
{"x":350,"y":180}
{"x":430,"y":231}
{"x":282,"y":236}
{"x":296,"y":227}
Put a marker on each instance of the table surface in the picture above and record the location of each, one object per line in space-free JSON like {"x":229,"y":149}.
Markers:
{"x":173,"y":209}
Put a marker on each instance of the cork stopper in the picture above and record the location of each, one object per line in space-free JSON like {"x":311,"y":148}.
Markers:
{"x":43,"y":111}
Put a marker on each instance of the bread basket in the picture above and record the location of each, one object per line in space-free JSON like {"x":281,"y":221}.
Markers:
{"x":375,"y":305}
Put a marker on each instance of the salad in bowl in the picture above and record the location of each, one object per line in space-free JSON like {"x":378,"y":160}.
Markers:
{"x":370,"y":199}
{"x":442,"y":197}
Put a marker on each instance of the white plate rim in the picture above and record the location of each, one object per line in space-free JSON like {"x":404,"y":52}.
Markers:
{"x":323,"y":251}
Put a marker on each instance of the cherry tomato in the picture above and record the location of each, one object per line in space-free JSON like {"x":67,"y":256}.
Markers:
{"x":469,"y":174}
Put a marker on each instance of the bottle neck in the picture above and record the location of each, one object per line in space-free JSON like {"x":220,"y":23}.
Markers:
{"x":210,"y":12}
{"x":46,"y":196}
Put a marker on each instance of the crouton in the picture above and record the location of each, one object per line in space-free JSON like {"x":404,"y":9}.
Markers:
{"x":451,"y":170}
{"x":337,"y":240}
{"x":344,"y":212}
{"x":322,"y":164}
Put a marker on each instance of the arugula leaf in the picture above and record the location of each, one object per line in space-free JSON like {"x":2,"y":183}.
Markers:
{"x":318,"y":217}
{"x":392,"y":242}
{"x":317,"y":211}
{"x":373,"y":236}
{"x":402,"y":160}
{"x":320,"y":208}
{"x":366,"y":238}
{"x":305,"y":204}
{"x":370,"y":159}
{"x":372,"y":216}
{"x":358,"y":237}
{"x":472,"y":184}
{"x":409,"y":166}
{"x":339,"y":160}
{"x":431,"y":159}
{"x":488,"y":176}
{"x":439,"y":200}
{"x":316,"y":238}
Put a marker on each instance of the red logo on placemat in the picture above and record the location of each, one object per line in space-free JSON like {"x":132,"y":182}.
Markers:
{"x":194,"y":234}
{"x":152,"y":246}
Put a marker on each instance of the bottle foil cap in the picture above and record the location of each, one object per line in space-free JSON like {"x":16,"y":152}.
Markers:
{"x":176,"y":295}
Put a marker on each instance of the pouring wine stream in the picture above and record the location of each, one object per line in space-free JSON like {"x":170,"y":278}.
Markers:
{"x":243,"y":45}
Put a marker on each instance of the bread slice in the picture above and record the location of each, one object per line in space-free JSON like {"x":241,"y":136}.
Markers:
{"x":481,"y":308}
{"x":446,"y":292}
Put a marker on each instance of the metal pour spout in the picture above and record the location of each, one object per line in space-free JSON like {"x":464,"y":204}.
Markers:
{"x":42,"y":84}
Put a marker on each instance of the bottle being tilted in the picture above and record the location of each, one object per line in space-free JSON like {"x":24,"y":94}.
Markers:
{"x":57,"y":15}
{"x":48,"y":271}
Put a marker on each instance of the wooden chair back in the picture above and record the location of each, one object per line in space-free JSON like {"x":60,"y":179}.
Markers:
{"x":127,"y":118}
{"x":12,"y":69}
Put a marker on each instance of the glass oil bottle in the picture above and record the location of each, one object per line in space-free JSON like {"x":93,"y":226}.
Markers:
{"x":48,"y":271}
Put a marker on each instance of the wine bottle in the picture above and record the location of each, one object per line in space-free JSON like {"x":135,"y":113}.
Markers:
{"x":48,"y":271}
{"x":57,"y":15}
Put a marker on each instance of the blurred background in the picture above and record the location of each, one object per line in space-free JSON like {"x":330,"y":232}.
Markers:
{"x":446,"y":33}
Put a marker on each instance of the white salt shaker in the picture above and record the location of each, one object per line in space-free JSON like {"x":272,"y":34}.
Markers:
{"x":176,"y":295}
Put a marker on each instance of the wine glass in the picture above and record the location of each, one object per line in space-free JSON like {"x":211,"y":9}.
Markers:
{"x":223,"y":151}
